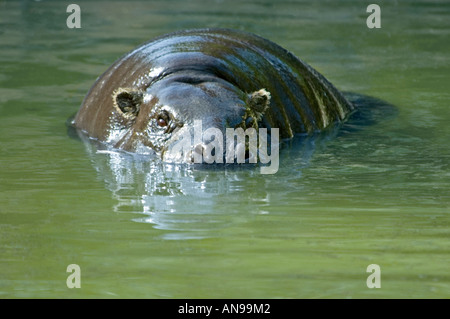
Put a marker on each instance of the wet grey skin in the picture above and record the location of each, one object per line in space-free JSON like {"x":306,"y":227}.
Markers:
{"x":227,"y":79}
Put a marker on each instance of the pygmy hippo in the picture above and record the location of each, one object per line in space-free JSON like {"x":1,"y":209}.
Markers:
{"x":220,"y":78}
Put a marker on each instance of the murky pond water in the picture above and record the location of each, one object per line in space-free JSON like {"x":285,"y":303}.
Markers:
{"x":137,"y":228}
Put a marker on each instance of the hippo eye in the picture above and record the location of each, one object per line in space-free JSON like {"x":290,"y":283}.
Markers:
{"x":163,"y":119}
{"x":161,"y":122}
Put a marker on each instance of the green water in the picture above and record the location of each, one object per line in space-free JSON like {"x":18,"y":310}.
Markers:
{"x":141,"y":229}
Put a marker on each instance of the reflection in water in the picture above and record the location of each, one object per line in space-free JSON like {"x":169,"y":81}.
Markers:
{"x":187,"y":198}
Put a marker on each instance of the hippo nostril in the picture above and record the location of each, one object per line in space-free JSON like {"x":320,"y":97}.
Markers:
{"x":202,"y":153}
{"x":245,"y":154}
{"x":199,"y":149}
{"x":250,"y":157}
{"x":197,"y":153}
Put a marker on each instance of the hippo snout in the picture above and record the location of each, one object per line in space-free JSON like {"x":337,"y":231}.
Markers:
{"x":214,"y":145}
{"x":205,"y":154}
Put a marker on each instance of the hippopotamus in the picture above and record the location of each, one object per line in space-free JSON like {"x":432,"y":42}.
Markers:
{"x":224,"y":78}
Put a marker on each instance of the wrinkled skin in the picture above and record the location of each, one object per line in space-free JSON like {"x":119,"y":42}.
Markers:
{"x":227,"y":79}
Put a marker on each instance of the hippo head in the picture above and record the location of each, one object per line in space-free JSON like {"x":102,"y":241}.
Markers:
{"x":182,"y":114}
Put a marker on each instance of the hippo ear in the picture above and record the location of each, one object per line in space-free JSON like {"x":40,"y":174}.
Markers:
{"x":128,"y":101}
{"x":257,"y":104}
{"x":259,"y":101}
